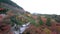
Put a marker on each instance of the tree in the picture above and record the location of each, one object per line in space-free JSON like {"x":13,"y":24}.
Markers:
{"x":48,"y":23}
{"x":3,"y":11}
{"x":11,"y":3}
{"x":40,"y":21}
{"x":57,"y":19}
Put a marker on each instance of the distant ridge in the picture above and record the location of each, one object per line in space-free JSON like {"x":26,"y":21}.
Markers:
{"x":11,"y":3}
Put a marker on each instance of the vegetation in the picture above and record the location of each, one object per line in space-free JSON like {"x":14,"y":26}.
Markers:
{"x":48,"y":23}
{"x":57,"y":19}
{"x":40,"y":21}
{"x":11,"y":3}
{"x":13,"y":17}
{"x":3,"y":11}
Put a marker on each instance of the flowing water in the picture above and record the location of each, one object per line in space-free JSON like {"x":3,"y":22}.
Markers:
{"x":22,"y":28}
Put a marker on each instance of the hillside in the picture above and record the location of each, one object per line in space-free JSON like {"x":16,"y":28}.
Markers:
{"x":11,"y":3}
{"x":11,"y":14}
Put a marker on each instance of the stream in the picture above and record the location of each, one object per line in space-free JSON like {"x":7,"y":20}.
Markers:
{"x":21,"y":28}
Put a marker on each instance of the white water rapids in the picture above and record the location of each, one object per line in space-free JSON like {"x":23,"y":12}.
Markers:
{"x":22,"y":28}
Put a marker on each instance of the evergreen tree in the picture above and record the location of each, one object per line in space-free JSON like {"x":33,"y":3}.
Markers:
{"x":48,"y":23}
{"x":15,"y":20}
{"x":31,"y":20}
{"x":3,"y":11}
{"x":40,"y":21}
